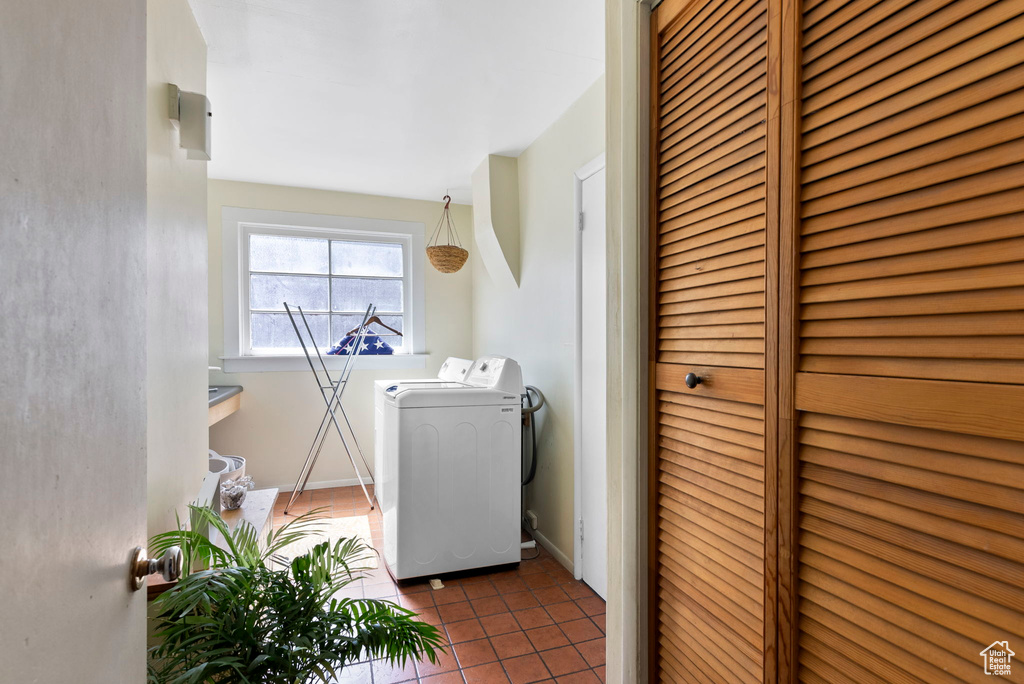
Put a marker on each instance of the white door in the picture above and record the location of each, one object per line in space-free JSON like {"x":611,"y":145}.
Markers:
{"x":73,"y":335}
{"x":593,"y":378}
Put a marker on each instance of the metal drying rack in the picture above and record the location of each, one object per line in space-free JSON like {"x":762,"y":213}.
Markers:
{"x":331,"y":390}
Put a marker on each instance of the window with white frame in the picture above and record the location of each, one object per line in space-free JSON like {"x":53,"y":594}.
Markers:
{"x":332,"y":267}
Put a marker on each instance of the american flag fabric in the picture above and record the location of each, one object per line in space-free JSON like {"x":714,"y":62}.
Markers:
{"x":371,"y":345}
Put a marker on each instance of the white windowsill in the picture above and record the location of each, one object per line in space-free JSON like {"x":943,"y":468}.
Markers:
{"x":270,"y":364}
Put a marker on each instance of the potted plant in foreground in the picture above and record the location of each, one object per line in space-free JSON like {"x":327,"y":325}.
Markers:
{"x":246,"y":620}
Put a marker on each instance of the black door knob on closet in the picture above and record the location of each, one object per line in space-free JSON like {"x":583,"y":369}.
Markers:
{"x":692,"y":380}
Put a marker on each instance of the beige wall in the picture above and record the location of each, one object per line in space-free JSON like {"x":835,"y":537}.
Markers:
{"x":535,"y":324}
{"x":176,"y":334}
{"x":73,"y":334}
{"x":281,"y":410}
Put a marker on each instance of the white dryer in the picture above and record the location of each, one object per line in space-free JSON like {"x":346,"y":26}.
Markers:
{"x":450,"y":478}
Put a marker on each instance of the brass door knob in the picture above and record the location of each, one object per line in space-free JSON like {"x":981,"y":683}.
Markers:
{"x":168,"y":566}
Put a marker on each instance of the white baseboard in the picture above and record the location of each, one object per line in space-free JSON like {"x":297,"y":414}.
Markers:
{"x":553,"y":550}
{"x":325,"y":484}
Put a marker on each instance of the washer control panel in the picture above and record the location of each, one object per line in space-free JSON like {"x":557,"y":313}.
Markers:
{"x":496,"y":372}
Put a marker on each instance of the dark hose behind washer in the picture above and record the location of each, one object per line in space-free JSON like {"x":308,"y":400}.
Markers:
{"x":530,"y":409}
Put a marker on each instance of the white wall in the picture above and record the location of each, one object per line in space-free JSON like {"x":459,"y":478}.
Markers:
{"x":535,"y":324}
{"x":280,"y":411}
{"x":176,"y":331}
{"x":73,"y":335}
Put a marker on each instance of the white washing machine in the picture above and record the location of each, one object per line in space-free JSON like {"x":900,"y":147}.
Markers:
{"x":453,"y":369}
{"x":450,"y":478}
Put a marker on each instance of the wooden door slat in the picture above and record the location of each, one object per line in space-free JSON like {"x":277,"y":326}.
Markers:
{"x":838,"y":119}
{"x":715,"y":188}
{"x":691,"y":117}
{"x":836,"y":669}
{"x":959,"y":280}
{"x":693,"y":19}
{"x":714,"y":250}
{"x":930,"y":480}
{"x":716,"y":540}
{"x":971,"y":445}
{"x":830,"y":17}
{"x":747,"y":331}
{"x":925,"y":261}
{"x":968,"y":211}
{"x":902,"y":184}
{"x":746,"y":285}
{"x":729,"y":303}
{"x":876,"y":634}
{"x":884,"y":37}
{"x":1004,"y":347}
{"x":972,"y":140}
{"x":949,"y":606}
{"x":702,"y":151}
{"x":833,"y":636}
{"x":695,"y":439}
{"x":941,"y":195}
{"x":967,"y":370}
{"x":1001,"y":299}
{"x":740,"y":539}
{"x":969,"y":324}
{"x":860,"y":496}
{"x":995,"y":475}
{"x":718,"y":570}
{"x":959,"y":235}
{"x":734,"y":408}
{"x":712,"y":48}
{"x":832,"y":158}
{"x":725,"y":273}
{"x":934,"y":642}
{"x":955,"y":43}
{"x":724,"y":167}
{"x":951,"y":574}
{"x":679,"y":241}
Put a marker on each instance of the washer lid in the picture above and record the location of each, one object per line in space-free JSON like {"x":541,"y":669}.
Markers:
{"x":452,"y":394}
{"x":453,"y":369}
{"x":384,"y":385}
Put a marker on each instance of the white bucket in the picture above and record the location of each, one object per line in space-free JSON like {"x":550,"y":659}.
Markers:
{"x":229,"y":467}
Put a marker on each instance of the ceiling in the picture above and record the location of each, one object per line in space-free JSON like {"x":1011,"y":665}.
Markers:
{"x":389,"y":97}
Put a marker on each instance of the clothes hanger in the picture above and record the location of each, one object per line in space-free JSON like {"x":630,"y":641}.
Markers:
{"x":374,"y":319}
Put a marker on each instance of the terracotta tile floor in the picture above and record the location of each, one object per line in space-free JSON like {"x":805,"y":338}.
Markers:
{"x":534,"y":623}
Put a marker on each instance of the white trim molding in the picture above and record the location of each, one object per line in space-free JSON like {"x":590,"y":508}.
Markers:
{"x":581,"y":174}
{"x":237,"y":223}
{"x":627,"y":49}
{"x":292,"y":362}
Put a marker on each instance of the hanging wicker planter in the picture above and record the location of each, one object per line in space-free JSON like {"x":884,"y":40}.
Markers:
{"x":450,"y":257}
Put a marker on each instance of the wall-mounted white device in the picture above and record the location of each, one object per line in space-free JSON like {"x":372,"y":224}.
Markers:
{"x":192,"y":112}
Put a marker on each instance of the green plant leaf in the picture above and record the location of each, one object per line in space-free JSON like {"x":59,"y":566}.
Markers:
{"x":242,"y":621}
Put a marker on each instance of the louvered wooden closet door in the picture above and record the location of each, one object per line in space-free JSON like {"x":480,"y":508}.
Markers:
{"x":910,"y":390}
{"x":708,"y":265}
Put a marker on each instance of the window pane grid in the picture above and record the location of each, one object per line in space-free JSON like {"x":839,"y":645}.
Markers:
{"x":301,"y":274}
{"x":352,"y":261}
